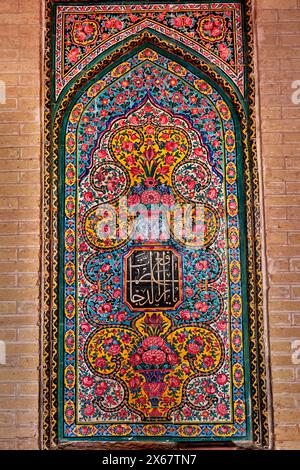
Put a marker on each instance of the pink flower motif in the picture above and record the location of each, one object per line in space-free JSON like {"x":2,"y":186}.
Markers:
{"x":211,"y":389}
{"x":177,"y":21}
{"x":208,"y":361}
{"x":83,"y":247}
{"x":116,"y":293}
{"x":169,"y":159}
{"x":128,"y":146}
{"x":135,"y":359}
{"x":133,"y":199}
{"x":150,"y":182}
{"x":136,"y":170}
{"x":199,"y":151}
{"x":90,"y":130}
{"x":212,"y":193}
{"x":121,"y":316}
{"x":168,"y":199}
{"x":101,"y":388}
{"x":105,"y":268}
{"x":80,"y":36}
{"x":88,"y":196}
{"x":201,"y":265}
{"x":185,"y":315}
{"x":135,"y":382}
{"x":150,"y":197}
{"x":172,"y":359}
{"x":73,"y":54}
{"x":193,"y":348}
{"x":100,"y":362}
{"x":181,"y":338}
{"x":85,"y":327}
{"x":69,"y":413}
{"x":153,"y":341}
{"x":222,"y":379}
{"x":163,"y":120}
{"x":118,"y":24}
{"x":114,"y":350}
{"x":154,"y":357}
{"x":130,"y":160}
{"x":222,"y":325}
{"x":202,"y":306}
{"x":188,"y":21}
{"x":164,"y":170}
{"x":173,"y":381}
{"x":88,"y":29}
{"x":89,"y":410}
{"x":87,"y":381}
{"x":222,"y":409}
{"x":190,"y":183}
{"x":223,"y":51}
{"x":189,"y":291}
{"x":105,"y":308}
{"x":171,"y":146}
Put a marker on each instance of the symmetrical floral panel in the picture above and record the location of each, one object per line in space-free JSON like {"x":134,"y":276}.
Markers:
{"x":153,"y":326}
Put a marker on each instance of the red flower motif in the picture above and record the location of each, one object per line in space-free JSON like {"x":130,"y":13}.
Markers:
{"x":202,"y":306}
{"x":85,"y":327}
{"x":153,"y":341}
{"x":222,"y":409}
{"x":89,"y":410}
{"x":212,"y":193}
{"x":105,"y":308}
{"x":88,"y":29}
{"x":101,"y":388}
{"x":177,"y":21}
{"x":189,"y":291}
{"x":135,"y":359}
{"x":150,"y":182}
{"x":88,"y":196}
{"x":185,"y":315}
{"x":150,"y":197}
{"x":208,"y":361}
{"x":133,"y":199}
{"x":168,"y":199}
{"x":73,"y":54}
{"x":90,"y":130}
{"x":173,"y":381}
{"x":116,"y":293}
{"x":100,"y":362}
{"x":135,"y":382}
{"x":154,"y":357}
{"x":222,"y":379}
{"x":193,"y":348}
{"x":114,"y":350}
{"x":121,"y":316}
{"x":172,"y":359}
{"x":87,"y":381}
{"x":201,"y":265}
{"x":136,"y":170}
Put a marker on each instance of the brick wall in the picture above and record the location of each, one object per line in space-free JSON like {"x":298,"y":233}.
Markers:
{"x":278,"y":28}
{"x":20,"y":160}
{"x":278,"y":39}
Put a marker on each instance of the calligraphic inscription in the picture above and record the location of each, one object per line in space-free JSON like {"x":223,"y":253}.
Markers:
{"x":152,"y":279}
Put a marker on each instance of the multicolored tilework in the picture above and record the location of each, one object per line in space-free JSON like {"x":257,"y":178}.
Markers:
{"x":153,"y":282}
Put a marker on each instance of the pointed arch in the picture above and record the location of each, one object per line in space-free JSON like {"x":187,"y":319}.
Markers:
{"x":75,"y":101}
